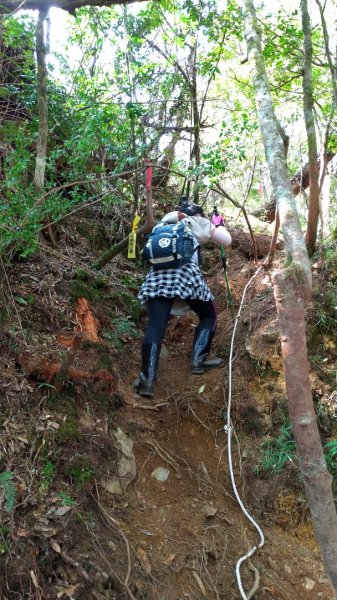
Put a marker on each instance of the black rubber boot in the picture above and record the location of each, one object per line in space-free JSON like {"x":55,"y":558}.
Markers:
{"x":144,"y":384}
{"x":201,"y":347}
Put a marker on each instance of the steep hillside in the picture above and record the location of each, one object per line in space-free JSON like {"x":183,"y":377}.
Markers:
{"x":118,"y":497}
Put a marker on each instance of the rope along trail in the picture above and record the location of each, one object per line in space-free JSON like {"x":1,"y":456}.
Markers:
{"x":229,"y":430}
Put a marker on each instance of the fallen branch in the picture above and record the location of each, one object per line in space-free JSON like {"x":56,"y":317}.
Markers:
{"x":70,"y":561}
{"x":269,"y":260}
{"x":146,"y":228}
{"x":46,"y":370}
{"x":68,"y":185}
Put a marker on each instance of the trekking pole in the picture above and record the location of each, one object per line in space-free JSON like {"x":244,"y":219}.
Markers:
{"x":229,"y":295}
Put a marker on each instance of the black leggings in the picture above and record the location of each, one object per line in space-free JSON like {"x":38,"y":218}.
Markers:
{"x":159,"y":311}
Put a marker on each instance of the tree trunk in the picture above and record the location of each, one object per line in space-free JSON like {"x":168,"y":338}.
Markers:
{"x":42,"y":102}
{"x":308,"y":109}
{"x":195,"y":155}
{"x":292,"y":286}
{"x":328,"y":53}
{"x":299,"y":182}
{"x":325,"y":205}
{"x":146,"y":228}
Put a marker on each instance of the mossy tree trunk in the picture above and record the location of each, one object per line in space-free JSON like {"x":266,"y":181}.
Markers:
{"x":292,"y":288}
{"x":42,"y":104}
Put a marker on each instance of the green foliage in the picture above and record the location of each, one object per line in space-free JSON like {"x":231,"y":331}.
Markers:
{"x":127,"y":92}
{"x":328,"y":255}
{"x":68,"y":430}
{"x":80,"y":289}
{"x":104,"y":359}
{"x":330,"y":451}
{"x":88,"y":285}
{"x":80,"y":472}
{"x":326,"y":314}
{"x":48,"y":473}
{"x":8,"y":487}
{"x":4,"y":533}
{"x":94,"y":233}
{"x":66,"y":500}
{"x":123,"y":330}
{"x":277,"y":452}
{"x":127,"y":302}
{"x":326,"y":301}
{"x":29,"y":299}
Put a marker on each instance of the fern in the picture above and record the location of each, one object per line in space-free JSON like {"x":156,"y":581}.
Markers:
{"x":9,"y":488}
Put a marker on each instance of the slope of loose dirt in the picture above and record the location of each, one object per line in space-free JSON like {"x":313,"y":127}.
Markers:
{"x":91,"y":519}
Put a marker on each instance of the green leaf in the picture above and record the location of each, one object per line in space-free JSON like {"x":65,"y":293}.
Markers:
{"x":9,"y":489}
{"x":4,"y":92}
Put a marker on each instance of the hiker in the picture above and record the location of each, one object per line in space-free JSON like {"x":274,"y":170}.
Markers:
{"x":217,"y":219}
{"x":164,"y":289}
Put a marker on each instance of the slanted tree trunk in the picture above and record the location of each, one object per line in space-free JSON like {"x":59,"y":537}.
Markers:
{"x":308,"y":109}
{"x":299,"y":182}
{"x":292,"y":287}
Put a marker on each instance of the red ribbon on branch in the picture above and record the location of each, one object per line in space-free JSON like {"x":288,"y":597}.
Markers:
{"x":148,"y":175}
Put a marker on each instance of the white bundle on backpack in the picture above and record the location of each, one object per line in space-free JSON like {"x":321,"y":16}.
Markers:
{"x":201,"y":227}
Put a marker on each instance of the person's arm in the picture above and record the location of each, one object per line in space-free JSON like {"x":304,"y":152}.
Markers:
{"x":174,"y":216}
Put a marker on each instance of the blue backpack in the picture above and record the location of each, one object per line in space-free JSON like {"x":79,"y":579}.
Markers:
{"x":169,"y":246}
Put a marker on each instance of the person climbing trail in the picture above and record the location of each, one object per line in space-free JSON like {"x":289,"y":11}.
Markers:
{"x":166,"y":289}
{"x":217,"y":219}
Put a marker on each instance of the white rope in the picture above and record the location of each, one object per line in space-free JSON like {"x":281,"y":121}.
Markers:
{"x":229,"y":430}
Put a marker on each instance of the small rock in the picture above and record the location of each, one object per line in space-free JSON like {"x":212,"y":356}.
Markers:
{"x":288,"y":569}
{"x":112,"y":485}
{"x":60,"y":512}
{"x":309,"y":584}
{"x":164,"y":352}
{"x":112,"y":545}
{"x":161,"y":474}
{"x":209,"y":510}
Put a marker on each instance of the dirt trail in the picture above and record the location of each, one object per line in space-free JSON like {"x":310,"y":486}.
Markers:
{"x":190,"y":527}
{"x":93,"y":519}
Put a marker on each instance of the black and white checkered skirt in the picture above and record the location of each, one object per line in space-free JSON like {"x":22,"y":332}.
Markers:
{"x":185,"y":282}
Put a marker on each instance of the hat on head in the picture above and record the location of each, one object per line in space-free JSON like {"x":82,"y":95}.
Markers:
{"x":189,"y":208}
